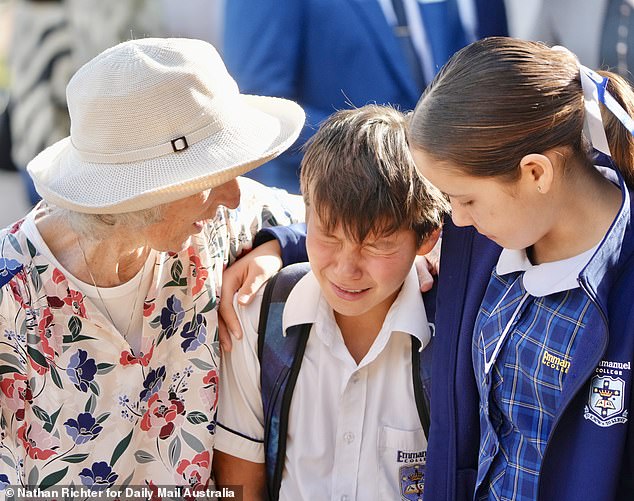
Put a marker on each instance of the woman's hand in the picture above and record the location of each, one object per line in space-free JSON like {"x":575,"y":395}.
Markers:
{"x":245,"y":277}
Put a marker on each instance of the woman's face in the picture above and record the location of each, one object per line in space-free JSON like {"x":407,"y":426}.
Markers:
{"x":184,"y":218}
{"x":504,"y":212}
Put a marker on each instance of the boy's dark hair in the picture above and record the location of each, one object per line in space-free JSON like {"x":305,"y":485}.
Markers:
{"x":358,"y":172}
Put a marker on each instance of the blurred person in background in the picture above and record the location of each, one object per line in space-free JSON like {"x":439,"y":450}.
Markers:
{"x":202,"y":19}
{"x":40,"y":64}
{"x":334,"y":54}
{"x":599,"y":32}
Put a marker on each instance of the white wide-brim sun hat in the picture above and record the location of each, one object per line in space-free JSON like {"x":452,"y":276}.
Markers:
{"x":157,"y":120}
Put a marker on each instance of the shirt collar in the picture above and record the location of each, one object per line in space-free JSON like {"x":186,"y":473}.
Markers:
{"x":547,"y":278}
{"x":550,"y":278}
{"x":407,"y":313}
{"x":302,"y":304}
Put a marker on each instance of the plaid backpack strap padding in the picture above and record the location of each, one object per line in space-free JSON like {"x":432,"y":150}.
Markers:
{"x":280,"y":360}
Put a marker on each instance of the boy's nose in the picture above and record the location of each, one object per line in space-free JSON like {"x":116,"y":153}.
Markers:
{"x":348,"y":265}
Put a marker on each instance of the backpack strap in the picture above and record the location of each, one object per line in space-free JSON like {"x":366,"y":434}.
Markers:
{"x":421,"y":364}
{"x":280,"y":355}
{"x":421,"y":373}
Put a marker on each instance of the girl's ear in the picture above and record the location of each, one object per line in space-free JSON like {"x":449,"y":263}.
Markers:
{"x":429,"y":243}
{"x":538,"y":171}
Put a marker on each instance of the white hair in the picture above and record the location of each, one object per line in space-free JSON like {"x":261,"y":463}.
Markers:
{"x":103,"y":226}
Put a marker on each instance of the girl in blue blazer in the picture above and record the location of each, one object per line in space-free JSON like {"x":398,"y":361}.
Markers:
{"x":535,"y":323}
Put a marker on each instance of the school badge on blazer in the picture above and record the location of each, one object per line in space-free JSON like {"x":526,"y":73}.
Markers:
{"x":412,"y":482}
{"x":605,"y":405}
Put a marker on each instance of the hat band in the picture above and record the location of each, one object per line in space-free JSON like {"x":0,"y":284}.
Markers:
{"x":176,"y":145}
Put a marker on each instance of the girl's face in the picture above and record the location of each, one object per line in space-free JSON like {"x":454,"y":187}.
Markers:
{"x":510,"y":214}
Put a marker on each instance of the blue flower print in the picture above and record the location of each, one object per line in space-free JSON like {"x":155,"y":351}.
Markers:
{"x":99,"y":477}
{"x":9,"y":268}
{"x":81,"y":370}
{"x":152,"y":383}
{"x":4,"y":481}
{"x":211,"y":427}
{"x":172,"y":316}
{"x":83,"y":429}
{"x":194,"y":333}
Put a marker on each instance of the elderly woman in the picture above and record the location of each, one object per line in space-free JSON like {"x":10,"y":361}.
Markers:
{"x":108,"y":289}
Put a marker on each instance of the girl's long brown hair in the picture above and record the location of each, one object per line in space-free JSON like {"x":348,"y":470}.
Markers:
{"x":500,"y":99}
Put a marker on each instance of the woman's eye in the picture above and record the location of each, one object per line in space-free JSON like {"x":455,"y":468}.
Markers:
{"x":466,"y":204}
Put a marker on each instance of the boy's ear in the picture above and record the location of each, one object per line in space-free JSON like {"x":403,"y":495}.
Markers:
{"x":429,"y":242}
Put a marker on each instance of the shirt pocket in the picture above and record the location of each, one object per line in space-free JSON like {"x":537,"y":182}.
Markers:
{"x":402,"y":459}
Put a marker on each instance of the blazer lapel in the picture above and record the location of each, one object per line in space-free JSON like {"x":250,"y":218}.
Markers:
{"x":372,"y":17}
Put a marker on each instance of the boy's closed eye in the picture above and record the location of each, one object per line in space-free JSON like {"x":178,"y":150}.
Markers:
{"x":384,"y":246}
{"x":328,"y":239}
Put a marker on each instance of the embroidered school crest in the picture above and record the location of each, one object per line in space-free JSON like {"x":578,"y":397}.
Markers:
{"x":412,"y":479}
{"x":605,"y":403}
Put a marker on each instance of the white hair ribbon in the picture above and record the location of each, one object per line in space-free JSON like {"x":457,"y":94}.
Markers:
{"x":595,"y":91}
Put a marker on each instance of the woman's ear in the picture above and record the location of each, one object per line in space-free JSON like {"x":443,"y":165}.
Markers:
{"x":537,"y":172}
{"x":428,"y":243}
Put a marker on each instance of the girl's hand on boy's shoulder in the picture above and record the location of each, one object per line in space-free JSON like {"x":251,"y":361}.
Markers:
{"x":425,"y":272}
{"x":427,"y":267}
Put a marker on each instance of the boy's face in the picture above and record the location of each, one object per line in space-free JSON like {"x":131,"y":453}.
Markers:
{"x":359,"y":278}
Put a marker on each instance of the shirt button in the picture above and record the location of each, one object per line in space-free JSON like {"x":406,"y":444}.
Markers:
{"x":348,"y":437}
{"x":354,"y":379}
{"x":345,"y":497}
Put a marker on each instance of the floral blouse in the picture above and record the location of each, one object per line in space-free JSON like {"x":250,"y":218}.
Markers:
{"x":78,"y":407}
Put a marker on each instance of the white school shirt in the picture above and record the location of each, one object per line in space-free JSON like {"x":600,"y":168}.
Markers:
{"x":353,"y":430}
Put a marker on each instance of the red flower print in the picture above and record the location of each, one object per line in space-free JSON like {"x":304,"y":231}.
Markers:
{"x":165,"y":413}
{"x":128,"y":358}
{"x":75,"y":300}
{"x":17,"y":295}
{"x":36,"y":366}
{"x":148,"y":308}
{"x":50,"y":335}
{"x":37,"y":443}
{"x":209,"y":392}
{"x":155,"y":496}
{"x":199,"y":273}
{"x":17,"y":392}
{"x":16,"y":226}
{"x":58,"y":276}
{"x":196,"y":472}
